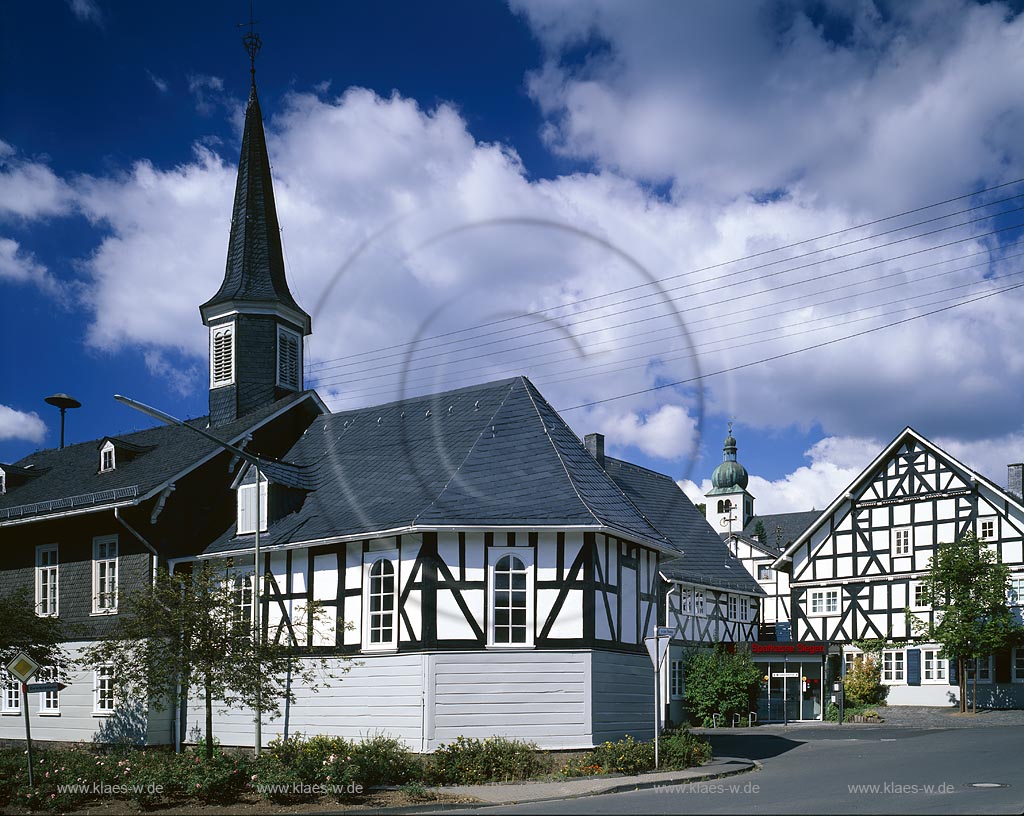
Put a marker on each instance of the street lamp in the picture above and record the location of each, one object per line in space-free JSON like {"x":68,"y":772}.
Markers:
{"x":255,"y":462}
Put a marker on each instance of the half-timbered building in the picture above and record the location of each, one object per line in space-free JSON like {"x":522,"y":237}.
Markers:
{"x":482,"y":570}
{"x":855,"y":572}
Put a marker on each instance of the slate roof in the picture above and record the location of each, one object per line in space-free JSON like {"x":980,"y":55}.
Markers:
{"x":781,"y":529}
{"x":255,"y":263}
{"x":495,"y":454}
{"x":69,"y":477}
{"x":706,"y":558}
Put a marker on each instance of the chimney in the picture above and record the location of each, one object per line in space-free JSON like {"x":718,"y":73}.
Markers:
{"x":1015,"y":480}
{"x":594,"y":443}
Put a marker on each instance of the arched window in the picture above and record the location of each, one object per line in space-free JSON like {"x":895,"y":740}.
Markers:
{"x":510,"y":601}
{"x":381,"y":597}
{"x":722,"y":506}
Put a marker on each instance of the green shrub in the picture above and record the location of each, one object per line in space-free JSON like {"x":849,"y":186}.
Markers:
{"x":625,"y":756}
{"x":863,"y":682}
{"x":681,"y":749}
{"x":719,"y":682}
{"x":273,"y":779}
{"x":581,"y":766}
{"x":311,"y":760}
{"x":220,"y":780}
{"x":495,"y":759}
{"x":13,"y":773}
{"x":382,"y":760}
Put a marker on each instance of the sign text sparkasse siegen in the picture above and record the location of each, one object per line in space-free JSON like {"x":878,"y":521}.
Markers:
{"x":787,"y":648}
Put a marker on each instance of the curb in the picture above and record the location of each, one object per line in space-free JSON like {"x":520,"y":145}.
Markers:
{"x":625,"y":787}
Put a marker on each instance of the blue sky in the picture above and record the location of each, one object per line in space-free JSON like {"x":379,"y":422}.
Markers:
{"x":497,"y":159}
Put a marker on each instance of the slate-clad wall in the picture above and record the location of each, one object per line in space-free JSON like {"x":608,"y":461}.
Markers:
{"x":623,"y":696}
{"x":77,"y":722}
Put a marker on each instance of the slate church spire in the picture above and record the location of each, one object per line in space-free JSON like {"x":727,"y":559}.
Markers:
{"x":256,"y":327}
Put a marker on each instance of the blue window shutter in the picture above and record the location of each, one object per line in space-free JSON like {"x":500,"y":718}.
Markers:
{"x":913,"y":667}
{"x":954,"y":679}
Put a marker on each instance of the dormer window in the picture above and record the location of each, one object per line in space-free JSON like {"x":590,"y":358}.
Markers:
{"x":107,"y":461}
{"x":289,"y":359}
{"x":222,"y":355}
{"x":247,"y":506}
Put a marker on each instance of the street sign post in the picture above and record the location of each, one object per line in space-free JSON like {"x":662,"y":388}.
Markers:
{"x":23,"y":667}
{"x":36,"y":688}
{"x":657,"y":648}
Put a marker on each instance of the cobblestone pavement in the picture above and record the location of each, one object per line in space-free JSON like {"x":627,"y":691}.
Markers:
{"x":931,"y":717}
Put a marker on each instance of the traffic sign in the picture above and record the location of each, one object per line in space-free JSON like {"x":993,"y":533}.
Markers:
{"x":666,"y":631}
{"x":22,"y":667}
{"x":33,"y":688}
{"x":657,"y":648}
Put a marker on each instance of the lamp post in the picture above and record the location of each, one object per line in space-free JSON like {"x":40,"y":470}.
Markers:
{"x":64,"y":402}
{"x":255,"y":462}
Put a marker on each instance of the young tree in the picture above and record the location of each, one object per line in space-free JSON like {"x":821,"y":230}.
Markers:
{"x":22,"y":630}
{"x":967,"y":588}
{"x":194,"y":630}
{"x":717,"y":681}
{"x":760,"y":533}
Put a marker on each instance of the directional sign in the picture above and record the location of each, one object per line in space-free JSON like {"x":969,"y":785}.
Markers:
{"x":785,"y":674}
{"x":657,"y":648}
{"x":22,"y":667}
{"x":32,"y":688}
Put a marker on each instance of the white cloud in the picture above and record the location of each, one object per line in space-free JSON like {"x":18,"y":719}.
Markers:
{"x":182,"y":380}
{"x":22,"y":267}
{"x":208,"y":92}
{"x":30,"y":189}
{"x":16,"y":424}
{"x":158,"y":82}
{"x":666,"y":433}
{"x":87,"y":11}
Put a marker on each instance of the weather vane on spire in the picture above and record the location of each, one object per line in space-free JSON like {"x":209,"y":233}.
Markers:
{"x":252,"y":42}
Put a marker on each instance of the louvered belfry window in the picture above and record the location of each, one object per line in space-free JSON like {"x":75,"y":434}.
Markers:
{"x":288,"y":359}
{"x":222,"y":363}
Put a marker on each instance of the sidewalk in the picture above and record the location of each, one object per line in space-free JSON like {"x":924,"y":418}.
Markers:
{"x":516,"y":792}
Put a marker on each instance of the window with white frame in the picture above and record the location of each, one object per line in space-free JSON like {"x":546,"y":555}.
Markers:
{"x":247,"y":507}
{"x":3,"y":482}
{"x":824,"y":601}
{"x":675,"y":682}
{"x":380,"y":597}
{"x":242,"y":596}
{"x":1017,"y":666}
{"x":987,"y":529}
{"x":698,"y":602}
{"x":46,"y":580}
{"x":107,"y":461}
{"x":511,"y":597}
{"x":289,"y":359}
{"x":764,"y":572}
{"x":49,"y":701}
{"x":11,"y":701}
{"x":103,"y":690}
{"x":981,"y":668}
{"x":222,"y":355}
{"x":686,"y":600}
{"x":902,"y":541}
{"x":920,"y":596}
{"x":734,"y":612}
{"x":893,"y":666}
{"x":104,"y":574}
{"x":933,"y":667}
{"x":1015,"y":597}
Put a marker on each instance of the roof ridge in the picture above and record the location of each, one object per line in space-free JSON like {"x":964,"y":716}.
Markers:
{"x":465,"y":458}
{"x":561,"y":461}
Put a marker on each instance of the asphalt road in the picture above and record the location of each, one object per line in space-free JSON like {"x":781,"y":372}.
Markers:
{"x":808,"y":770}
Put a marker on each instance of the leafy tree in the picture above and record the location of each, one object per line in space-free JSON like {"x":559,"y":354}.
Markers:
{"x":967,"y":588}
{"x":23,"y":630}
{"x":703,"y":509}
{"x":718,"y":681}
{"x":187,"y":629}
{"x":760,"y":533}
{"x":863,"y":681}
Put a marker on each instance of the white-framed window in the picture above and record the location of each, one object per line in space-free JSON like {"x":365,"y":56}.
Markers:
{"x":675,"y":680}
{"x":11,"y":701}
{"x":103,"y":690}
{"x":824,"y":601}
{"x":47,"y":588}
{"x":511,"y":597}
{"x":734,"y":611}
{"x":49,"y":701}
{"x":686,"y":600}
{"x":222,"y":355}
{"x":933,"y":667}
{"x":893,"y":666}
{"x":107,"y":460}
{"x":919,"y":596}
{"x":380,"y":600}
{"x":901,"y":541}
{"x":3,"y":482}
{"x":242,"y":594}
{"x":289,"y":359}
{"x":1015,"y":597}
{"x":982,"y":668}
{"x":247,"y":507}
{"x":987,"y":529}
{"x":104,"y":574}
{"x":764,"y":572}
{"x":698,"y":602}
{"x":1017,"y":665}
